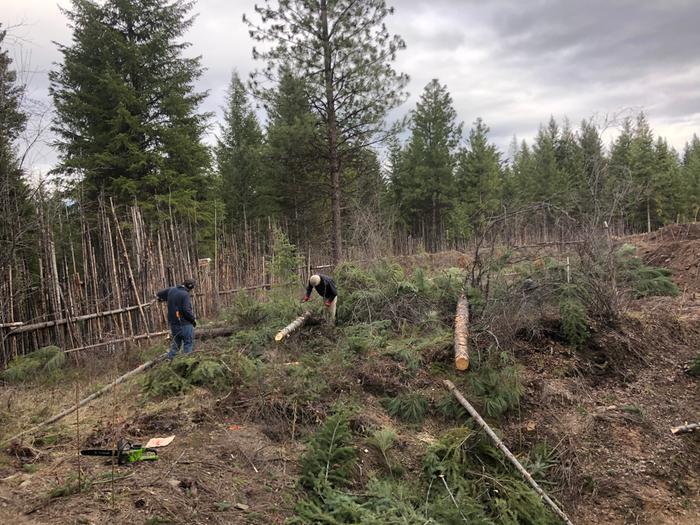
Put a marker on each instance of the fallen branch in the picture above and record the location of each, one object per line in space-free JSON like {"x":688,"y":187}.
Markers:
{"x":685,"y":429}
{"x":293,"y":326}
{"x":497,"y":441}
{"x":462,"y":334}
{"x":202,"y":333}
{"x":22,"y":328}
{"x":85,"y":401}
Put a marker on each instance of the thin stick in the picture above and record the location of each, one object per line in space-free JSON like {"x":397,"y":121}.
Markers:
{"x":85,"y":401}
{"x":462,"y":334}
{"x":77,"y":436}
{"x":685,"y":429}
{"x":472,"y":412}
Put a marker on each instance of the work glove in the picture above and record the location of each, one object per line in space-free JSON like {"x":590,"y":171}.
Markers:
{"x":328,"y":303}
{"x":194,"y":323}
{"x":306,"y":298}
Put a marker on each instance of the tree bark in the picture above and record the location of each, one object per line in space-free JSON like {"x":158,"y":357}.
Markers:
{"x":497,"y":441}
{"x":292,"y":327}
{"x":332,"y":137}
{"x":462,"y":334}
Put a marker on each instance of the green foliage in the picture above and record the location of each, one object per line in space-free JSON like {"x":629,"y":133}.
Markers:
{"x":450,"y":409}
{"x":330,"y":457}
{"x":411,"y":407}
{"x":69,"y":486}
{"x":127,"y":120}
{"x":485,"y":487}
{"x":286,"y":260}
{"x":44,"y":364}
{"x":694,"y":368}
{"x":574,"y":319}
{"x":497,"y":385}
{"x":212,"y":373}
{"x":645,"y":281}
{"x":358,"y":338}
{"x":382,"y":441}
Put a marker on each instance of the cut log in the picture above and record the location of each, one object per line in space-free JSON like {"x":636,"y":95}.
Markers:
{"x":462,"y":334}
{"x":497,"y":441}
{"x":292,"y":327}
{"x":685,"y":429}
{"x":89,"y":398}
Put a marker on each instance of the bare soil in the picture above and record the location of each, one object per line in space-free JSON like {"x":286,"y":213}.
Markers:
{"x":608,"y":410}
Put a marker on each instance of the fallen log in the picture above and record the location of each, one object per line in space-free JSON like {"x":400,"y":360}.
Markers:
{"x":202,"y":333}
{"x":685,"y":429}
{"x":22,"y":328}
{"x":462,"y":334}
{"x":497,"y":441}
{"x":292,"y":327}
{"x":85,"y":401}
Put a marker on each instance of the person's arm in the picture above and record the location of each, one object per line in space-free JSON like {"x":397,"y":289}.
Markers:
{"x":163,"y":294}
{"x":309,"y":289}
{"x":186,"y":310}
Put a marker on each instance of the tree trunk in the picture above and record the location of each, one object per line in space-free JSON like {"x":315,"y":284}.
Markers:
{"x":332,"y":137}
{"x":462,"y":334}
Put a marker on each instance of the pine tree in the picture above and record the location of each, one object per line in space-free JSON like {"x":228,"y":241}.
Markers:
{"x":592,"y":200}
{"x":620,"y":183}
{"x":126,"y":110}
{"x":344,"y":52}
{"x":549,"y":183}
{"x":239,"y":159}
{"x":426,"y":178}
{"x":691,"y":178}
{"x":666,"y":194}
{"x":479,"y":176}
{"x":292,"y":160}
{"x":16,"y":220}
{"x":570,"y":163}
{"x":642,"y":170}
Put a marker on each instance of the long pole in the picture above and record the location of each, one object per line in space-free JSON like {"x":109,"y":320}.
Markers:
{"x":497,"y":441}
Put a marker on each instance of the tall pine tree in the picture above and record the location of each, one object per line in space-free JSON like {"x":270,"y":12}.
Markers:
{"x":244,"y":187}
{"x":426,"y":178}
{"x":344,"y":52}
{"x":479,"y":176}
{"x":17,"y":212}
{"x":127,"y":115}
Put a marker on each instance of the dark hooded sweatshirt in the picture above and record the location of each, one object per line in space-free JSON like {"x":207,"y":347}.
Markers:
{"x":178,"y":303}
{"x":326,"y":288}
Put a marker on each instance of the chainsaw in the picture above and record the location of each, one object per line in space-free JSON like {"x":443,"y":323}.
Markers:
{"x":125,"y":453}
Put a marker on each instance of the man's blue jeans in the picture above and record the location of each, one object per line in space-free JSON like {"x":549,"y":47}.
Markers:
{"x":182,"y":334}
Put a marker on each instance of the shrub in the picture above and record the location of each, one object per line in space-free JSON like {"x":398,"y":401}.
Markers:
{"x":286,"y":259}
{"x":574,"y":320}
{"x":44,"y":363}
{"x":694,"y":368}
{"x":645,"y":281}
{"x":410,"y":407}
{"x":496,"y":383}
{"x":330,"y":457}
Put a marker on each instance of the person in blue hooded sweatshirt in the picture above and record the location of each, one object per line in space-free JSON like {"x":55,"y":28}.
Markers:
{"x":180,"y":316}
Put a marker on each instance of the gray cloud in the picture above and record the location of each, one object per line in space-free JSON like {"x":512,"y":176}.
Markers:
{"x":510,"y":62}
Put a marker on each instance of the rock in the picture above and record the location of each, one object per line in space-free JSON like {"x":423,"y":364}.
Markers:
{"x":241,"y":506}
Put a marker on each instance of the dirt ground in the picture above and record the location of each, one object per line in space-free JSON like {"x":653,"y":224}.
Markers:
{"x":608,"y":409}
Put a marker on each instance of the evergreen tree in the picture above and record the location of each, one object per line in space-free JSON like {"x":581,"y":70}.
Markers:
{"x":592,"y":200}
{"x":344,"y":52}
{"x":549,"y":183}
{"x":17,"y":213}
{"x":666,"y":194}
{"x":238,"y":152}
{"x":126,"y":111}
{"x":294,"y":166}
{"x":691,"y":178}
{"x":425,"y":180}
{"x":619,"y":185}
{"x":479,"y":176}
{"x":570,"y":163}
{"x":642,"y":171}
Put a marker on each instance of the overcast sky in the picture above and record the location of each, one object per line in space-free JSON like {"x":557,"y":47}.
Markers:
{"x":512,"y":62}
